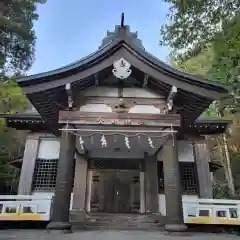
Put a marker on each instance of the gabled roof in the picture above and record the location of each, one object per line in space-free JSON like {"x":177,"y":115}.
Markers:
{"x":47,"y":93}
{"x":123,"y":37}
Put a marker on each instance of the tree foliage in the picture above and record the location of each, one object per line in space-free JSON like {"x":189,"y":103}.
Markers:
{"x":210,"y":47}
{"x":199,"y":64}
{"x":226,"y":63}
{"x":17,"y":37}
{"x":195,"y":23}
{"x":17,"y":40}
{"x":12,"y":100}
{"x":197,"y":26}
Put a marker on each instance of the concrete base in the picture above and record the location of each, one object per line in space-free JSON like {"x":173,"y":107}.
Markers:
{"x":59,"y":226}
{"x":175,"y":227}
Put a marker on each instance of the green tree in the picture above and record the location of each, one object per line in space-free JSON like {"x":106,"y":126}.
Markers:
{"x":17,"y":38}
{"x":17,"y":41}
{"x":199,"y":64}
{"x":196,"y":26}
{"x":225,"y":149}
{"x":193,"y":24}
{"x":12,"y":100}
{"x":226,"y":63}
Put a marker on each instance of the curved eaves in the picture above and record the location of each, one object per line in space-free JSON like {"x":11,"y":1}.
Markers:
{"x":67,"y":70}
{"x":173,"y":72}
{"x":104,"y":52}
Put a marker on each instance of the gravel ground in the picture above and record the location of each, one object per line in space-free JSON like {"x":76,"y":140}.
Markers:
{"x":107,"y":235}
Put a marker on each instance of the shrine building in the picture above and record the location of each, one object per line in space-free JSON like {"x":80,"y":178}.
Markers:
{"x":118,"y":131}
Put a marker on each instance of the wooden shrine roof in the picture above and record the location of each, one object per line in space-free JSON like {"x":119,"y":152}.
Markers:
{"x":47,"y":93}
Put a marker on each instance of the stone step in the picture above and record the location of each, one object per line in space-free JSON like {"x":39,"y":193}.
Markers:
{"x":117,"y":227}
{"x":92,"y":220}
{"x":122,"y":222}
{"x":125,"y":216}
{"x":124,"y":225}
{"x":118,"y":221}
{"x":122,"y":228}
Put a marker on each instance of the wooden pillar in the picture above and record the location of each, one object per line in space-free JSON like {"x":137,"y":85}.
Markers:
{"x":151,"y":183}
{"x":172,"y":186}
{"x":89,"y":191}
{"x":204,"y":175}
{"x":142,"y":186}
{"x":79,"y":189}
{"x":28,"y":165}
{"x":63,"y":189}
{"x":142,"y":192}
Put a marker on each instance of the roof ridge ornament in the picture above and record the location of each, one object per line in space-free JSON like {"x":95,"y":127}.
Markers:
{"x":122,"y":20}
{"x":121,"y":69}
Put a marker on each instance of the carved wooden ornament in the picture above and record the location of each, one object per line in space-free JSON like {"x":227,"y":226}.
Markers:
{"x":121,"y":69}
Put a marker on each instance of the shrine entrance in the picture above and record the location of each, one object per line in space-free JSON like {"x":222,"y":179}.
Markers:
{"x":116,"y":193}
{"x":115,"y":190}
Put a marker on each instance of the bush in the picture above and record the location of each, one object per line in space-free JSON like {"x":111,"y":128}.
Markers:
{"x":221,"y":191}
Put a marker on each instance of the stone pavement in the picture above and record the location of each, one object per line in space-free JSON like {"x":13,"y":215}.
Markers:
{"x":108,"y":235}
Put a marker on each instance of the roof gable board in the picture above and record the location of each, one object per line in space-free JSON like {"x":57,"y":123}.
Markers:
{"x":105,"y":52}
{"x":47,"y":93}
{"x":206,"y":90}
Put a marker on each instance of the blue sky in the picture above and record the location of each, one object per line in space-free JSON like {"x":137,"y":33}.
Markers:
{"x":69,"y":30}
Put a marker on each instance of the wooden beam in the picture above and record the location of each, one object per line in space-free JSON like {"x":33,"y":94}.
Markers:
{"x":111,"y":115}
{"x":128,"y":100}
{"x":133,"y":119}
{"x":171,"y":97}
{"x":69,"y":94}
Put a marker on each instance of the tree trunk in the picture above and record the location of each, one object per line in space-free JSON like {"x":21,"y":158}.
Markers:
{"x":222,"y":160}
{"x":228,"y":163}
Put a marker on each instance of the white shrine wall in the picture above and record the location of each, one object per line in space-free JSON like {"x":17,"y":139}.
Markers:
{"x":113,"y":92}
{"x":134,"y":92}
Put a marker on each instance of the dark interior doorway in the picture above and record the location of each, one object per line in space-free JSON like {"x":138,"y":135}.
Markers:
{"x":115,"y":191}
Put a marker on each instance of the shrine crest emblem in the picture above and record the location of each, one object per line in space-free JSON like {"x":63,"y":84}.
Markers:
{"x":121,"y":69}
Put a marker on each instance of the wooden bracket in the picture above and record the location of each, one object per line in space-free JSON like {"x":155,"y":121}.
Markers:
{"x":69,"y":94}
{"x":170,"y":98}
{"x":145,"y":81}
{"x":96,"y":79}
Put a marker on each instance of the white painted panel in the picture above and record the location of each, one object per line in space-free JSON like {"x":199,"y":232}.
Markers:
{"x":144,"y":109}
{"x":140,"y":93}
{"x":51,"y":194}
{"x":101,"y":92}
{"x":185,"y":151}
{"x":49,"y":148}
{"x":91,"y":107}
{"x":162,"y":201}
{"x":43,"y":194}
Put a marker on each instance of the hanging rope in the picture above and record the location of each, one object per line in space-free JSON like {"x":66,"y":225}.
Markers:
{"x":117,"y":133}
{"x":125,"y":135}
